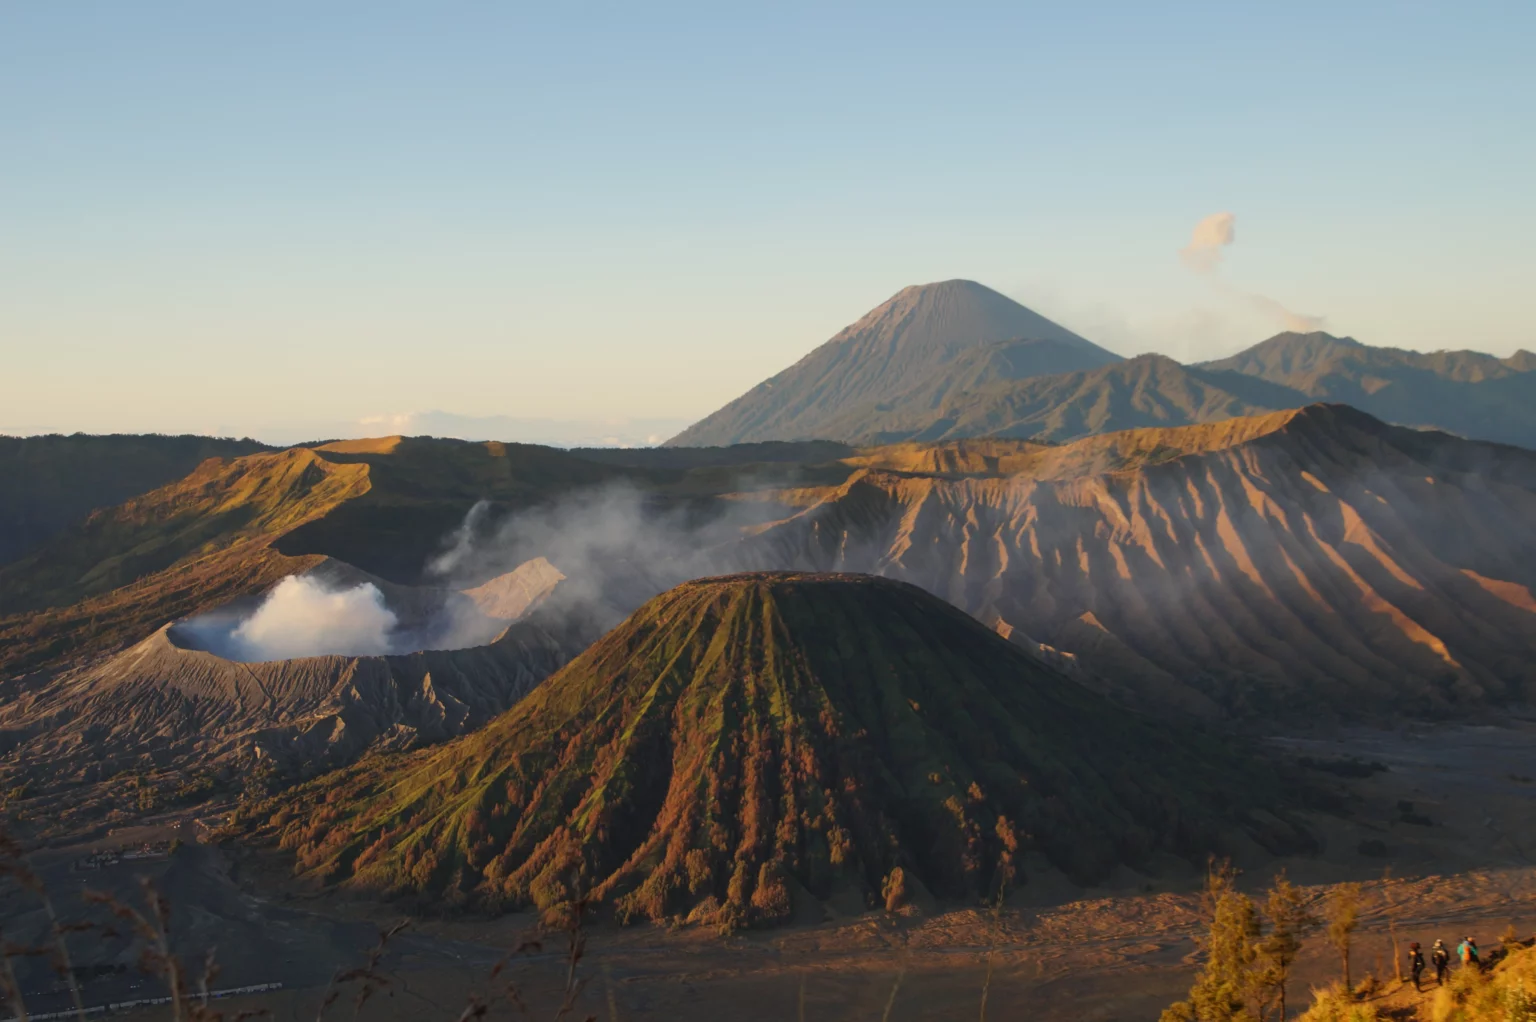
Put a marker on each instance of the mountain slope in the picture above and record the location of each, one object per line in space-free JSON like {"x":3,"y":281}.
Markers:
{"x":1311,"y":562}
{"x":740,"y":742}
{"x":385,"y":506}
{"x":1315,"y":562}
{"x":234,"y":527}
{"x":1149,"y":390}
{"x":52,"y":481}
{"x":171,"y":714}
{"x":894,"y":347}
{"x":1463,"y":392}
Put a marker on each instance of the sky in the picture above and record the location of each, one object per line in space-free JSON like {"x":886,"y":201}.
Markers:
{"x":608,"y":220}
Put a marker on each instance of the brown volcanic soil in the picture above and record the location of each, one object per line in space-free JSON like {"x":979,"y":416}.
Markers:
{"x":743,"y":749}
{"x":1310,"y":562}
{"x":160,"y":724}
{"x":1115,"y":953}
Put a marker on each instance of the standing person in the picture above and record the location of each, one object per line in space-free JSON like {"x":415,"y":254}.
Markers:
{"x":1467,"y":952}
{"x":1415,"y":963}
{"x":1440,"y":957}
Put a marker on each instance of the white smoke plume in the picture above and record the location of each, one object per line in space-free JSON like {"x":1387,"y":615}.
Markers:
{"x":302,"y":617}
{"x":1207,"y":246}
{"x":615,"y":545}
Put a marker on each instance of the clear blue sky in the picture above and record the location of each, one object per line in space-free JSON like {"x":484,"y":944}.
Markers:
{"x":241,"y":216}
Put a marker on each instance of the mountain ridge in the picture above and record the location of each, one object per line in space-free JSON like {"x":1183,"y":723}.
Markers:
{"x":1315,"y":543}
{"x":744,"y":741}
{"x":891,"y":347}
{"x":962,"y":377}
{"x":53,"y":481}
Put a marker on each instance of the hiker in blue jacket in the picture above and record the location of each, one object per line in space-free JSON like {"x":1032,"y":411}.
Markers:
{"x":1467,"y":952}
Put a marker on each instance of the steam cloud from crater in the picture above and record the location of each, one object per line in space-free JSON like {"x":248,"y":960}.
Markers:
{"x":1207,"y":247}
{"x":615,"y":545}
{"x":301,"y":617}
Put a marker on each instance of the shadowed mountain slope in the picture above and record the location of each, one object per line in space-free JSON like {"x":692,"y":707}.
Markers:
{"x":1149,"y":390}
{"x":1316,"y":562}
{"x":1463,"y":392}
{"x":52,"y":481}
{"x":895,"y":347}
{"x":385,"y":506}
{"x":201,"y":541}
{"x":741,"y":742}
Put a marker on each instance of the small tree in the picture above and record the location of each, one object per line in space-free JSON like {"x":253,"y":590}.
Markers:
{"x":1343,"y":919}
{"x":1288,"y":919}
{"x":1230,"y":982}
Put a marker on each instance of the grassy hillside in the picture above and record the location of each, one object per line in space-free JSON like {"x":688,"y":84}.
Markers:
{"x":219,"y":505}
{"x":742,"y":743}
{"x":52,"y":481}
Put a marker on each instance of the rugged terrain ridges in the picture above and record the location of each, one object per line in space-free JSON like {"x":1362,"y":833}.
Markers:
{"x":50,"y":482}
{"x":1316,"y":561}
{"x":168,"y":714}
{"x":742,"y":742}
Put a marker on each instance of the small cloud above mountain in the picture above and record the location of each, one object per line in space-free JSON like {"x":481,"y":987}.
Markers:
{"x":1208,"y":243}
{"x":1210,"y":237}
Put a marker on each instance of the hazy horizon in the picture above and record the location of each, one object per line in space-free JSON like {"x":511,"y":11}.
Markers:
{"x":281,"y":220}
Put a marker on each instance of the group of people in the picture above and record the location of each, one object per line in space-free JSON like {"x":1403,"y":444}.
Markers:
{"x":1440,"y":957}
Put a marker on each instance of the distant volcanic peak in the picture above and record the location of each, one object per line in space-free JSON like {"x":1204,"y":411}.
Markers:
{"x":741,"y":741}
{"x":958,"y":313}
{"x":917,"y":333}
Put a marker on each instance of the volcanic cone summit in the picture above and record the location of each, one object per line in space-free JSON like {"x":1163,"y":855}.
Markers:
{"x":745,"y":743}
{"x":893,"y":348}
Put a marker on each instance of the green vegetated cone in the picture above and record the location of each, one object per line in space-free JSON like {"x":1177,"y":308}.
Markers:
{"x":742,"y":741}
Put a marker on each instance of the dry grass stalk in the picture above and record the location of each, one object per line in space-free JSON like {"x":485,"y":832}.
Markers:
{"x":13,"y":863}
{"x":367,"y":977}
{"x":157,"y":959}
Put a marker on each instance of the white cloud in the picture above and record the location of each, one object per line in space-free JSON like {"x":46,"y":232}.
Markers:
{"x":1207,"y":245}
{"x":1206,"y":242}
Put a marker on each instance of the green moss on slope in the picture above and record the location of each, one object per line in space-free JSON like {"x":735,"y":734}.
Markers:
{"x":742,"y":737}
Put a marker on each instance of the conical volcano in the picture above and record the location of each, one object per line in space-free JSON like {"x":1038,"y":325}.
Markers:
{"x":896,"y":346}
{"x":744,"y":741}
